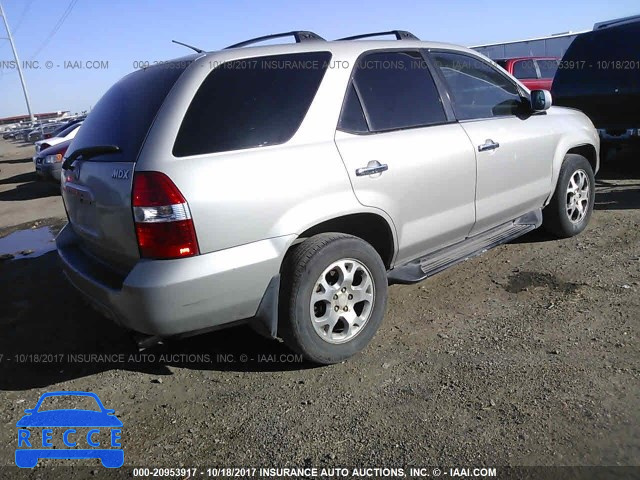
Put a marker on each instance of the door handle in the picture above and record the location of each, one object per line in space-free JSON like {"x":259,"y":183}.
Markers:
{"x":488,"y":145}
{"x":372,"y":168}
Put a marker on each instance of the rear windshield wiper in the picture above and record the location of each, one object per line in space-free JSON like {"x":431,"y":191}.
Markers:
{"x":89,"y":152}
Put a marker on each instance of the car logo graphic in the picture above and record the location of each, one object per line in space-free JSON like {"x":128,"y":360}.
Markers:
{"x":33,"y":446}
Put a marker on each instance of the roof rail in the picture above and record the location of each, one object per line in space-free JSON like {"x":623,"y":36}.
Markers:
{"x":617,"y":21}
{"x":400,"y":35}
{"x":299,"y":35}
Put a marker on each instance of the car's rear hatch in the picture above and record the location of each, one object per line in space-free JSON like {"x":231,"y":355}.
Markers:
{"x":600,"y":75}
{"x":98,"y":171}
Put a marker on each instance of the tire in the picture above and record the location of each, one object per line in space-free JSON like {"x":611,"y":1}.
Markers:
{"x":325,"y":323}
{"x":576,"y":183}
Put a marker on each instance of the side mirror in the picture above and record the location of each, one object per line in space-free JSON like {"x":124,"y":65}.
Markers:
{"x":540,"y":100}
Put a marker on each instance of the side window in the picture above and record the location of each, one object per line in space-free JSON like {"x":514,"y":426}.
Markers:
{"x":525,"y":69}
{"x":352,"y":117}
{"x":397,"y":91}
{"x":252,"y":102}
{"x":547,"y":68}
{"x":478,"y":89}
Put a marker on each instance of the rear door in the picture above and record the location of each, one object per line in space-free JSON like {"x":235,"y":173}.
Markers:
{"x":394,"y":122}
{"x":96,"y":189}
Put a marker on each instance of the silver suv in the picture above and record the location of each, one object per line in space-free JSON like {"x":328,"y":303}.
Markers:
{"x":288,"y":185}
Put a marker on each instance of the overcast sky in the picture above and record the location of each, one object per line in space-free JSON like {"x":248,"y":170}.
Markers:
{"x":120,"y":33}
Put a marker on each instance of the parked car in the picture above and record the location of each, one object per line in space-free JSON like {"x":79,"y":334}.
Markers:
{"x":27,"y":130}
{"x":536,"y":73}
{"x":17,"y":133}
{"x":600,"y":75}
{"x":41,"y":132}
{"x":275,"y":190}
{"x":67,"y":133}
{"x":8,"y":134}
{"x":62,"y":127}
{"x":48,"y":161}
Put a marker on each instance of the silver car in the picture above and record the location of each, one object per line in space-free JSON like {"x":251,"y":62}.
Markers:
{"x":287,"y":185}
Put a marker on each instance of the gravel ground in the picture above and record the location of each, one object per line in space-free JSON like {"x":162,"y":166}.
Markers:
{"x":527,"y":355}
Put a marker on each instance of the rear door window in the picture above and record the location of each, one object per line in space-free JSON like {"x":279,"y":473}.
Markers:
{"x":525,"y":69}
{"x":352,"y":118}
{"x":547,"y":68}
{"x":252,"y":102}
{"x":397,"y":91}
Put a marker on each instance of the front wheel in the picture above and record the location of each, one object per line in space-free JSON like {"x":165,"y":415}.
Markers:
{"x":333,"y":297}
{"x":570,"y":208}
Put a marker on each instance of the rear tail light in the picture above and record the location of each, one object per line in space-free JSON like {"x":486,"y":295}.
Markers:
{"x":163,"y":221}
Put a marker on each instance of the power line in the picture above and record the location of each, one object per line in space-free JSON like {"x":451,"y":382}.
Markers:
{"x":56,"y":27}
{"x":22,"y":15}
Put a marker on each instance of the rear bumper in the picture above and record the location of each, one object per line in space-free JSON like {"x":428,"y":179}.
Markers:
{"x":173,"y":297}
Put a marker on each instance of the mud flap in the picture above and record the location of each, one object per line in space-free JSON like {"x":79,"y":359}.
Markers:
{"x":265,"y":322}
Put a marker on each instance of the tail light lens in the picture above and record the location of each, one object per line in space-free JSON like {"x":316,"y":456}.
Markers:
{"x":162,"y":217}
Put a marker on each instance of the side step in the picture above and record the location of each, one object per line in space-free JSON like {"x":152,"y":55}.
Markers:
{"x":419,"y":269}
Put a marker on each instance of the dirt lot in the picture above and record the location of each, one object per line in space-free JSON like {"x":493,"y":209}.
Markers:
{"x":528,"y":355}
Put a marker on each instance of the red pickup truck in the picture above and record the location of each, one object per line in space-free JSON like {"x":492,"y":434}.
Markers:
{"x":536,"y":73}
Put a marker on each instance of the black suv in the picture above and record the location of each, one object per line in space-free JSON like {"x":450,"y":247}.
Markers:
{"x":600,"y":75}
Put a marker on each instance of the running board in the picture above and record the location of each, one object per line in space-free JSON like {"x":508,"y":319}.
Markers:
{"x":417,"y":270}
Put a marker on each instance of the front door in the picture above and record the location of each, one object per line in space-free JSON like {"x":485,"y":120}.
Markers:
{"x":514,"y":147}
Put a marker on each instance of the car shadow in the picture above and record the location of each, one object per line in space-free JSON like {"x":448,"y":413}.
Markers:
{"x":618,"y":197}
{"x":30,"y":190}
{"x":20,"y":178}
{"x":17,"y":160}
{"x":49,"y":335}
{"x":618,"y":182}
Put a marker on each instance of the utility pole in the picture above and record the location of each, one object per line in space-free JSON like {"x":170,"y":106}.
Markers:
{"x":15,"y":55}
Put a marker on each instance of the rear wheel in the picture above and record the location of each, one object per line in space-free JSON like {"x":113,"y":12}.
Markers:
{"x":570,"y":208}
{"x":333,"y":297}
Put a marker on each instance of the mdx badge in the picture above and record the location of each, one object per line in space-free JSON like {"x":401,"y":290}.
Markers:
{"x":120,"y":173}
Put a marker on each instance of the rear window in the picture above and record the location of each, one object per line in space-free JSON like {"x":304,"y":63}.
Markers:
{"x":600,"y":61}
{"x":59,"y":129}
{"x":125,"y":113}
{"x":547,"y":68}
{"x":68,"y":130}
{"x":252,"y":102}
{"x":524,"y":69}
